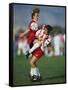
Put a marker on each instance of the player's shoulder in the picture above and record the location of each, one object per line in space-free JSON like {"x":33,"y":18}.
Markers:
{"x":33,"y":25}
{"x":32,"y":22}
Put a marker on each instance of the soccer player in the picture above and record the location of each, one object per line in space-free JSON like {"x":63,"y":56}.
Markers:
{"x":38,"y":53}
{"x":33,"y":27}
{"x":41,"y":35}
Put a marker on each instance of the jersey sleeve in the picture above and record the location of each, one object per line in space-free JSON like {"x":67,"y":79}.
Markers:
{"x":34,"y":26}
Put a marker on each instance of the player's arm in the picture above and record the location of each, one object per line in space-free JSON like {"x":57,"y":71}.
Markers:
{"x":25,"y":32}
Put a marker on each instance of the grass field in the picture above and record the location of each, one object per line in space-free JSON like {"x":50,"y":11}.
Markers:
{"x":52,"y":70}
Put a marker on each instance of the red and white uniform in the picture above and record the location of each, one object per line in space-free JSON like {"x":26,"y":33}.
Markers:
{"x":39,"y":52}
{"x":41,"y":34}
{"x":33,"y":26}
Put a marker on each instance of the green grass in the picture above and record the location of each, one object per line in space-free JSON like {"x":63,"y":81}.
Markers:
{"x":52,"y":70}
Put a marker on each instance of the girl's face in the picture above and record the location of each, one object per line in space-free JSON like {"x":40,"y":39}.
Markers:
{"x":36,"y":16}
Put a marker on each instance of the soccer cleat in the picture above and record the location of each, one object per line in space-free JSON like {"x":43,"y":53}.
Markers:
{"x":31,"y":77}
{"x":39,"y":78}
{"x":35,"y":78}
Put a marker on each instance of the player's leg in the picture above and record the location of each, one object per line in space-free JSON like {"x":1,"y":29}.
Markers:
{"x":37,"y":44}
{"x":34,"y":69}
{"x":38,"y":53}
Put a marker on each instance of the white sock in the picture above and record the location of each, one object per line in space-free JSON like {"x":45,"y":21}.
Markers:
{"x":36,"y":45}
{"x":32,"y":71}
{"x":36,"y":71}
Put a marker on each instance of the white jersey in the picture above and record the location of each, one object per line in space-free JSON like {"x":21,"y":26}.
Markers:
{"x":46,"y":42}
{"x":41,"y":34}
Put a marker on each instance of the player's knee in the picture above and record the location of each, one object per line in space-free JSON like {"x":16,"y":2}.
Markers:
{"x":31,"y":63}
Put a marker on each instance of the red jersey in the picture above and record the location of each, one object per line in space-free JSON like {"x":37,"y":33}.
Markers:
{"x":33,"y":28}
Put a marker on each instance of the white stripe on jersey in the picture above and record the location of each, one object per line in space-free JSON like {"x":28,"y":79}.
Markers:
{"x":41,"y":34}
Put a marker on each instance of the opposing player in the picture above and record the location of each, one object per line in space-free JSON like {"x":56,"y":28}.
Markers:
{"x":37,"y":54}
{"x":33,"y":27}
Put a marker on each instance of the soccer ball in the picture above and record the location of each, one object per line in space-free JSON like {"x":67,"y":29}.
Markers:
{"x":35,"y":78}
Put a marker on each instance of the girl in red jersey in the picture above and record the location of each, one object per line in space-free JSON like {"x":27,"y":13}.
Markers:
{"x":33,"y":27}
